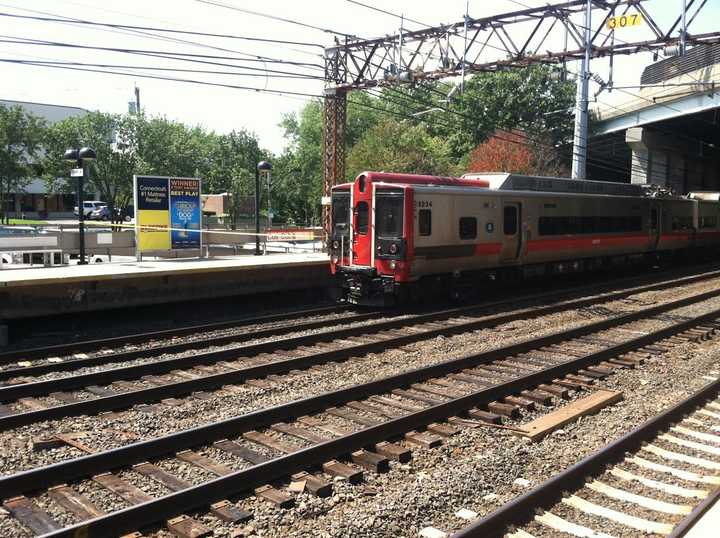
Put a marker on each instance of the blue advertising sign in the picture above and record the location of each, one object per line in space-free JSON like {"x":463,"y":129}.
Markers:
{"x":185,"y":213}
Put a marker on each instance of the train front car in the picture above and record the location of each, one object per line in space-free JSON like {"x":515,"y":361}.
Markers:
{"x":369,"y":238}
{"x":371,"y":242}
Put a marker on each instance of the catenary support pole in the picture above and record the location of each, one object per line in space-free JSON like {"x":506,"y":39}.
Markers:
{"x":683,"y":29}
{"x":579,"y":163}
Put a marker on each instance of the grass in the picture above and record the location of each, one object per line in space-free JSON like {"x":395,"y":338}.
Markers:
{"x":26,"y":221}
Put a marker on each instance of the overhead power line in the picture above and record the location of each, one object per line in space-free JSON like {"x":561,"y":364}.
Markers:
{"x":388,"y":13}
{"x":268,"y":73}
{"x":157,"y":77}
{"x":184,"y":56}
{"x":273,"y":17}
{"x":159,"y":29}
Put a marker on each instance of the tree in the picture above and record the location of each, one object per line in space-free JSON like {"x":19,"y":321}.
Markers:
{"x":502,"y":152}
{"x":20,"y":138}
{"x":113,"y":137}
{"x":533,"y":99}
{"x":229,"y":158}
{"x":514,"y":152}
{"x":168,"y":148}
{"x":401,"y":147}
{"x":299,"y":169}
{"x":238,"y":191}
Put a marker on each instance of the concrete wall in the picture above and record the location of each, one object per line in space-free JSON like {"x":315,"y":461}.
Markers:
{"x":62,"y":297}
{"x":668,"y":161}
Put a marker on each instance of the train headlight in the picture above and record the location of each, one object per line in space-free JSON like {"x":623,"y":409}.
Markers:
{"x":336,"y":244}
{"x":393,"y":264}
{"x":393,"y":248}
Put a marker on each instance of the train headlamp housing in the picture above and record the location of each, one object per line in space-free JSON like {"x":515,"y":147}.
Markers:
{"x":390,"y":248}
{"x":336,"y":244}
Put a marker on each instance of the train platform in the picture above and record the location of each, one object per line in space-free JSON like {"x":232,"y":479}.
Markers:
{"x":708,"y":523}
{"x":34,"y":292}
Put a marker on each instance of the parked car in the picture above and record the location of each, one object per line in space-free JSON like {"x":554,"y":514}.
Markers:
{"x":101,"y":213}
{"x":89,"y":206}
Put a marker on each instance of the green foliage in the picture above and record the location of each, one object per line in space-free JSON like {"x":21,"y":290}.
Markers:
{"x":417,"y":128}
{"x":128,"y":145}
{"x":20,"y":138}
{"x":534,"y":100}
{"x":115,"y":141}
{"x":414,"y":128}
{"x":393,"y":146}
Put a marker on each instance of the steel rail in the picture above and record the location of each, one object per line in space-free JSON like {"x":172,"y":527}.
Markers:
{"x":417,"y":318}
{"x":682,"y":528}
{"x":126,"y":399}
{"x":7,"y":357}
{"x":433,"y":316}
{"x":202,"y":495}
{"x":126,"y":455}
{"x":522,"y":509}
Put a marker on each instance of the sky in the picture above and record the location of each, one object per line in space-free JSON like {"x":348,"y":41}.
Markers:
{"x":223,"y":109}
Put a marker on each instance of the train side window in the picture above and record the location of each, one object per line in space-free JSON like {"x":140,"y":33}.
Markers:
{"x":468,"y":227}
{"x":510,"y":220}
{"x":425,"y":222}
{"x":362,"y":218}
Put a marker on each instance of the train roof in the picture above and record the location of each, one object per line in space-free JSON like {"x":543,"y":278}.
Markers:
{"x":517,"y":182}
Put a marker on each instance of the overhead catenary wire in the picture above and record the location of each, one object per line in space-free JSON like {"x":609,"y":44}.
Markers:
{"x":273,"y":17}
{"x":175,"y":79}
{"x":148,"y":34}
{"x":185,"y":56}
{"x":271,"y":73}
{"x":160,"y":29}
{"x":279,"y":92}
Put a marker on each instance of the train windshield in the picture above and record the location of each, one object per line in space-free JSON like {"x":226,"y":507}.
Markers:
{"x":389,"y":213}
{"x":341,"y":212}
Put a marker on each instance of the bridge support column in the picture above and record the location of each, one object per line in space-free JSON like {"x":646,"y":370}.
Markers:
{"x":670,"y":161}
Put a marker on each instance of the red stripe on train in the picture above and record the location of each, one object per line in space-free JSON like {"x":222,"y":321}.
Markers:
{"x":569,"y":243}
{"x":485,"y":249}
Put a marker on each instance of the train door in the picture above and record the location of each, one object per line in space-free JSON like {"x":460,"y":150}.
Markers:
{"x":511,"y":231}
{"x":655,"y":224}
{"x":362,"y":232}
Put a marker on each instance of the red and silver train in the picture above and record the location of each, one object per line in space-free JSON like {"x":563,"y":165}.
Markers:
{"x":394,"y":235}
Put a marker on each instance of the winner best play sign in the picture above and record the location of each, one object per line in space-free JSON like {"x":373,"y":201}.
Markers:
{"x":167,"y":215}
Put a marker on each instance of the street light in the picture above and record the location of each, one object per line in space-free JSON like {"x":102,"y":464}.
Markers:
{"x":262,"y":166}
{"x":80,"y":158}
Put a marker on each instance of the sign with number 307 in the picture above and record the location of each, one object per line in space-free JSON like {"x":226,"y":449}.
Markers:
{"x":624,"y":20}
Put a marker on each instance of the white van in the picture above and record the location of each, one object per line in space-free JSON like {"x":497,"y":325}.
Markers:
{"x":89,"y":206}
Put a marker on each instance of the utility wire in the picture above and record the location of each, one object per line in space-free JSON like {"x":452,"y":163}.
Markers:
{"x":389,"y":13}
{"x":158,"y":29}
{"x":274,"y":17}
{"x":185,"y":56}
{"x":172,"y":79}
{"x":150,"y":35}
{"x":263,"y":72}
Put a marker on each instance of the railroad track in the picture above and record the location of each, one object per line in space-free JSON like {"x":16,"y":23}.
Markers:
{"x":29,"y":401}
{"x":659,"y":479}
{"x":338,"y":434}
{"x":150,"y":338}
{"x":89,"y":353}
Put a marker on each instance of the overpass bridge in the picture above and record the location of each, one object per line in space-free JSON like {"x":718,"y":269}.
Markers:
{"x":667,"y":132}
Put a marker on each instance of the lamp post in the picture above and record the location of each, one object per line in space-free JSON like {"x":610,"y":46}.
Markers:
{"x":262,"y":166}
{"x":80,"y":158}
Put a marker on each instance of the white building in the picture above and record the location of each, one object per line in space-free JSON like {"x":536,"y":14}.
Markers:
{"x":34,"y":201}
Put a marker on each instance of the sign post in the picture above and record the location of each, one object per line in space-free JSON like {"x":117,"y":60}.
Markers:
{"x":167,"y":214}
